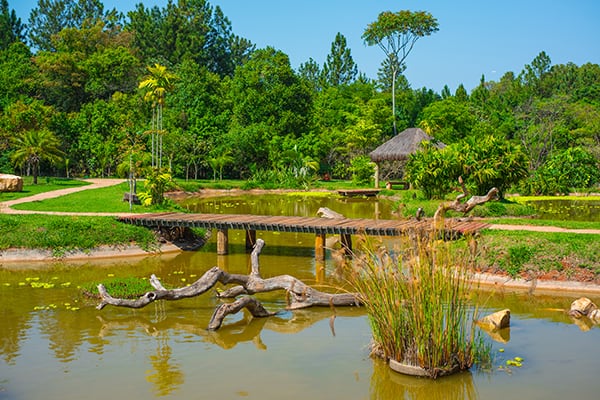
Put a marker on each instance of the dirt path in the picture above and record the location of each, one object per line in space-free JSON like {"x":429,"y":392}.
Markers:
{"x":6,"y":206}
{"x":537,"y":228}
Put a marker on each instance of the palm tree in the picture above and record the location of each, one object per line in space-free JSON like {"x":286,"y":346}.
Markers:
{"x":157,"y":84}
{"x":33,"y":146}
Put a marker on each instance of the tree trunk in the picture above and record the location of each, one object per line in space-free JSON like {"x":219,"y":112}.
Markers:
{"x":299,"y":295}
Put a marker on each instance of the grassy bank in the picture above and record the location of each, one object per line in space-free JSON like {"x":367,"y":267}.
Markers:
{"x":541,"y":254}
{"x":64,"y":233}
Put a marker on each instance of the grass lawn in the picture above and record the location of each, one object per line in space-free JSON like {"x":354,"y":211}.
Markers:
{"x":108,"y":199}
{"x":44,"y":185}
{"x":63,"y":233}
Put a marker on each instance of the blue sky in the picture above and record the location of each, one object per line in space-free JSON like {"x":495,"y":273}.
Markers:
{"x":476,"y":36}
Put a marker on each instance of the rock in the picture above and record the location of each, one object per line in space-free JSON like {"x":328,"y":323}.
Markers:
{"x":584,"y":307}
{"x":10,"y":183}
{"x":497,"y":320}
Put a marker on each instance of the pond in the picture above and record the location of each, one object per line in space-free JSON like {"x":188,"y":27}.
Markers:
{"x":54,"y":344}
{"x":567,"y":209}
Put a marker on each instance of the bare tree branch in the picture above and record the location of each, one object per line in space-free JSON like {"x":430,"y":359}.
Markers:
{"x":299,"y":295}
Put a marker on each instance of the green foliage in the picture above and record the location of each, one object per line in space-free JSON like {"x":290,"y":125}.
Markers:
{"x":396,"y":34}
{"x":572,"y":168}
{"x":339,"y":68}
{"x":418,"y":309}
{"x":518,"y":256}
{"x":433,"y":171}
{"x":483,"y":162}
{"x":362,"y":169}
{"x":156,"y":184}
{"x":80,"y":84}
{"x":33,"y":147}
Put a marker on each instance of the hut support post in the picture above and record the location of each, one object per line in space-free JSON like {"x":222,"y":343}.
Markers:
{"x":320,"y":247}
{"x":250,"y":239}
{"x":222,"y":241}
{"x":376,"y":175}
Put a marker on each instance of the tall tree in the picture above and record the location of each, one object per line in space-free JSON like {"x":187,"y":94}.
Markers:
{"x":18,"y":75}
{"x":396,"y":34}
{"x":87,"y":63}
{"x":339,"y":68}
{"x":11,"y":28}
{"x":272,"y":108}
{"x":52,"y":16}
{"x":311,"y":72}
{"x":157,"y":84}
{"x":187,"y":29}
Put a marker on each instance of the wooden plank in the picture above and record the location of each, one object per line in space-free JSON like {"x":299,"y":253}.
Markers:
{"x":300,"y":224}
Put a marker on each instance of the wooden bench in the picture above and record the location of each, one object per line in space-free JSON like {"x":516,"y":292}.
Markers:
{"x":403,"y":185}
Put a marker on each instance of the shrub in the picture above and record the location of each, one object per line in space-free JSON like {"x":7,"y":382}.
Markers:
{"x":571,"y":168}
{"x":362,"y":169}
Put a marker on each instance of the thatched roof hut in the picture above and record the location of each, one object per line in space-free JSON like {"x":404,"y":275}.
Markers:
{"x":400,"y":147}
{"x":403,"y":145}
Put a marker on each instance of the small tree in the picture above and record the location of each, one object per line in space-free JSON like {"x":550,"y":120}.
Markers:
{"x":363,"y":170}
{"x":396,"y":34}
{"x":34,"y":146}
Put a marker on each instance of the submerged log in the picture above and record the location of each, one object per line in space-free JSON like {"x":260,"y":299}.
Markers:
{"x":299,"y":295}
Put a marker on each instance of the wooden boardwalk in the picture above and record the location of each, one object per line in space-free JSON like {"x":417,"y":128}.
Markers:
{"x":315,"y":225}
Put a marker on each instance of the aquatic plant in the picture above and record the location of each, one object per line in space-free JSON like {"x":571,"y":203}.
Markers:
{"x":417,"y":305}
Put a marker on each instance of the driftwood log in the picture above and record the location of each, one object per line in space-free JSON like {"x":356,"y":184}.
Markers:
{"x":299,"y":295}
{"x":458,"y":206}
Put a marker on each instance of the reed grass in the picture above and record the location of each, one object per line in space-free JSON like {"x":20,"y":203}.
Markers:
{"x":417,"y":303}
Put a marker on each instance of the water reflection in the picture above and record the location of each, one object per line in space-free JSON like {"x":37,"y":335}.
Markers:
{"x":166,"y":374}
{"x":290,"y":205}
{"x":387,"y":384}
{"x":567,"y":209}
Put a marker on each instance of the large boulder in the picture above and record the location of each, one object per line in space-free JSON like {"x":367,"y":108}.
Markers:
{"x":10,"y":183}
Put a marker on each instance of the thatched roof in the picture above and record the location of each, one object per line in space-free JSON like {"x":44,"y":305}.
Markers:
{"x":402,"y":145}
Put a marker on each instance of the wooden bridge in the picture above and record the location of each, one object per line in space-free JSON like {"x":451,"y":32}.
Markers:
{"x":345,"y":227}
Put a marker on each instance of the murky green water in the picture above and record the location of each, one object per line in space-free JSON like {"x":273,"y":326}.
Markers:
{"x":574,"y":210}
{"x":48,"y":350}
{"x":290,"y":205}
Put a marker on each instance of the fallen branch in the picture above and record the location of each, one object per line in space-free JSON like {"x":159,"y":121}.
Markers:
{"x":465,"y":207}
{"x":299,"y":294}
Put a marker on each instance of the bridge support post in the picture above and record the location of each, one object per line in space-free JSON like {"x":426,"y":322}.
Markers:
{"x":320,"y":247}
{"x":222,"y":241}
{"x":250,"y":239}
{"x":346,"y":240}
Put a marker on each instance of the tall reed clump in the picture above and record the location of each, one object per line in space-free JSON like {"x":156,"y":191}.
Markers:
{"x":418,"y":307}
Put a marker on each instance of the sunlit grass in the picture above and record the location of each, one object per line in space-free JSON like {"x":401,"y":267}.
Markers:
{"x":44,"y":185}
{"x":64,"y":233}
{"x":107,"y":199}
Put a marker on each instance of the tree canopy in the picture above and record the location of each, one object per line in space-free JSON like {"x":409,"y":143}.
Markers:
{"x":73,"y":85}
